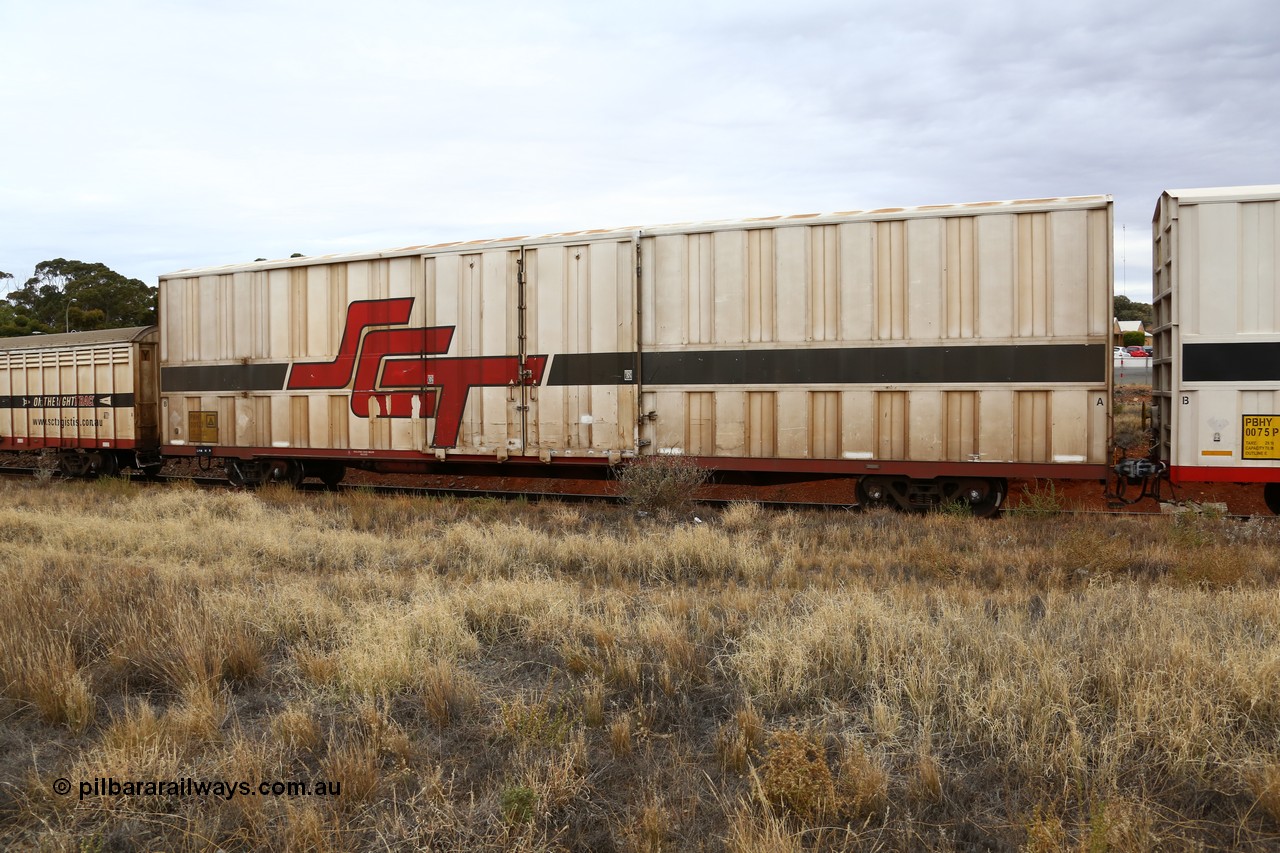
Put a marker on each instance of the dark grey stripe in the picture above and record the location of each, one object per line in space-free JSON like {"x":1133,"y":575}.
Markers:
{"x":975,"y":364}
{"x":224,"y":377}
{"x":67,"y":401}
{"x":593,"y":368}
{"x":1246,"y":361}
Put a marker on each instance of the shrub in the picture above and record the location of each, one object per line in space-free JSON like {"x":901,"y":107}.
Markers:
{"x":518,"y":803}
{"x":797,"y":777}
{"x":661,"y":483}
{"x":1135,"y":339}
{"x":1044,"y":500}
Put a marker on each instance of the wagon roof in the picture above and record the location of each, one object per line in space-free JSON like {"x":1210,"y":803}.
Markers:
{"x":98,"y":336}
{"x":1211,"y":194}
{"x":881,"y":214}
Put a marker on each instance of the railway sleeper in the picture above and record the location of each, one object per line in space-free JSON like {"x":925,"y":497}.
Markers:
{"x":983,"y":496}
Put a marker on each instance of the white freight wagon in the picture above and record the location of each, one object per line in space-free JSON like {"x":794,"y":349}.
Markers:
{"x":932,"y":352}
{"x":90,"y":397}
{"x":1217,"y":336}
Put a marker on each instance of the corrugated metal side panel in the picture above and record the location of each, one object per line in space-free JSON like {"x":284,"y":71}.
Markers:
{"x":1217,"y":272}
{"x":1259,"y":258}
{"x":891,"y":425}
{"x":1034,"y":420}
{"x":761,"y":288}
{"x":984,"y":279}
{"x":824,"y":424}
{"x":580,"y":298}
{"x":961,"y":298}
{"x":278,"y":316}
{"x":85,"y":374}
{"x":960,"y":425}
{"x":761,"y":424}
{"x":476,"y":294}
{"x":700,"y":423}
{"x":891,"y":281}
{"x":935,"y":211}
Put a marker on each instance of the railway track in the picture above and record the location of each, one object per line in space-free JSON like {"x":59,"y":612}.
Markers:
{"x":1148,"y":508}
{"x":434,"y":491}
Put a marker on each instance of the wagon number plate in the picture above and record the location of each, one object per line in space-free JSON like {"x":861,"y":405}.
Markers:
{"x":1261,"y":437}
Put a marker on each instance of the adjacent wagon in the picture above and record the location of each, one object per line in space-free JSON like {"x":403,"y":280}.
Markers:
{"x":1216,"y":285}
{"x":90,"y":398}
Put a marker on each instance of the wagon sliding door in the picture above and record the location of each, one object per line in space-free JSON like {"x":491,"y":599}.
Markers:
{"x":471,"y":369}
{"x":580,"y":311}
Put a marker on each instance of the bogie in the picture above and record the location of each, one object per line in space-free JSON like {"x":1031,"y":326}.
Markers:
{"x":93,"y":463}
{"x":258,"y":472}
{"x":982,"y":496}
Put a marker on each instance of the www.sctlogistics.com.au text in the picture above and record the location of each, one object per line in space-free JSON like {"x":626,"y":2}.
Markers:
{"x":221,"y":788}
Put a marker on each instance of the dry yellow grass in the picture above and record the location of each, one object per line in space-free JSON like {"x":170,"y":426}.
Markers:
{"x":481,"y":676}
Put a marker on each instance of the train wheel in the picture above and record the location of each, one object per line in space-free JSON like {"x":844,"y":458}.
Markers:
{"x":872,"y":492}
{"x":236,"y":473}
{"x":1271,"y":494}
{"x":988,"y":505}
{"x":106,"y":465}
{"x":285,"y":471}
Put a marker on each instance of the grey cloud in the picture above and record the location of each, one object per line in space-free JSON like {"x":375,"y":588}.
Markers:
{"x":265,"y":128}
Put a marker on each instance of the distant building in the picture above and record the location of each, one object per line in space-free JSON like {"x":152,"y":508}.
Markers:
{"x":1121,"y":326}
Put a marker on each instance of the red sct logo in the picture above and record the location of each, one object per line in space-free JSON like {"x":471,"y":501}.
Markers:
{"x":399,"y":369}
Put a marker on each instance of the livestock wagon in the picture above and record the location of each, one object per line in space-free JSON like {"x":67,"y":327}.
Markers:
{"x":92,"y":398}
{"x":930,"y":352}
{"x":1216,"y":392}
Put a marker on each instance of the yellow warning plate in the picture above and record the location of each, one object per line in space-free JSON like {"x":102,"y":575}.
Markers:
{"x":1261,"y":437}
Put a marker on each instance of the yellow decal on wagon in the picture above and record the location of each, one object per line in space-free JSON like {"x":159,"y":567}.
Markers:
{"x":202,"y":427}
{"x":1261,"y":437}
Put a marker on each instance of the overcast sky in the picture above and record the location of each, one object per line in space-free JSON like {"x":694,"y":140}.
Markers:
{"x":155,"y":136}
